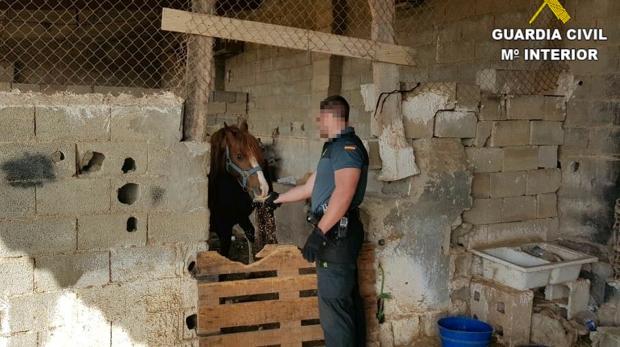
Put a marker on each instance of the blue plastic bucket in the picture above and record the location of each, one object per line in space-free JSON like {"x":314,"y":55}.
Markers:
{"x":464,"y":332}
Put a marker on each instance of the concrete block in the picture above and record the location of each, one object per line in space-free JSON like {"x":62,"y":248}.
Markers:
{"x":546,"y":133}
{"x":185,"y":159}
{"x":186,"y":254}
{"x":554,"y":108}
{"x":507,"y":184}
{"x":604,"y":140}
{"x":173,"y":194}
{"x":467,"y":96}
{"x":576,"y":140}
{"x":177,"y":227}
{"x":583,"y":113}
{"x":519,"y":208}
{"x":37,"y":236}
{"x":484,"y":211}
{"x":16,"y":124}
{"x":419,"y":108}
{"x":510,"y":133}
{"x":20,"y":271}
{"x":22,"y":339}
{"x":29,"y":165}
{"x":222,"y":96}
{"x":134,"y":299}
{"x":56,"y":272}
{"x":579,"y":295}
{"x":133,"y":264}
{"x":492,"y":108}
{"x":237,"y":108}
{"x":543,"y":181}
{"x":102,"y":232}
{"x":502,"y":233}
{"x":459,"y":124}
{"x":483,"y":133}
{"x":146,"y":123}
{"x":119,"y":159}
{"x":216,"y":108}
{"x":485,"y":159}
{"x":34,"y":312}
{"x":508,"y":310}
{"x":547,"y":205}
{"x":556,"y":292}
{"x":481,"y":185}
{"x":548,"y":157}
{"x":73,"y":123}
{"x":525,"y":107}
{"x":405,"y":330}
{"x":520,"y":158}
{"x":78,"y":196}
{"x":16,"y":201}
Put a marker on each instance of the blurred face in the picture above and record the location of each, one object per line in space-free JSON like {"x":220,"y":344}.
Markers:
{"x":329,"y":123}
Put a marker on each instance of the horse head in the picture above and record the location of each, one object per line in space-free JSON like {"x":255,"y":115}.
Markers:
{"x":236,"y":152}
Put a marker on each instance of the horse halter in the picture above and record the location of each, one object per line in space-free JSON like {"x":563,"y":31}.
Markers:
{"x":244,"y":174}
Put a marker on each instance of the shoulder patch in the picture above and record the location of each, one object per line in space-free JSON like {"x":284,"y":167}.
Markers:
{"x":350,"y":147}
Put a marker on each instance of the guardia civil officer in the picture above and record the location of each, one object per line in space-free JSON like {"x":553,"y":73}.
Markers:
{"x":336,"y":189}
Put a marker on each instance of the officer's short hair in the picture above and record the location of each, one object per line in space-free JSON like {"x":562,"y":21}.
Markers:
{"x":338,"y":105}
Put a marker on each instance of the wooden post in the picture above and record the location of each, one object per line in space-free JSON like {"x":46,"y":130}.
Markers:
{"x":398,"y":159}
{"x":200,"y":69}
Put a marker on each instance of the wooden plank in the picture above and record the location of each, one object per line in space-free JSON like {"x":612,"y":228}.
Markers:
{"x":284,"y":36}
{"x":211,"y":319}
{"x":285,"y":257}
{"x":265,"y":337}
{"x":208,"y":291}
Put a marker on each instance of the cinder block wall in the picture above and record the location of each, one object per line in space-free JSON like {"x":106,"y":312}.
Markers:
{"x":516,"y":177}
{"x":102,"y":211}
{"x":498,"y":163}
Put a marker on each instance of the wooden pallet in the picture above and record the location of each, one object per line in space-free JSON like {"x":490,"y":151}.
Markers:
{"x":269,"y":302}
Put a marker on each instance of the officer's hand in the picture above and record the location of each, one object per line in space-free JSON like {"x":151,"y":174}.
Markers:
{"x":313,"y":244}
{"x":270,"y":201}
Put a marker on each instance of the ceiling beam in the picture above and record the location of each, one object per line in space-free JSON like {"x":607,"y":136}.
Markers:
{"x":285,"y":36}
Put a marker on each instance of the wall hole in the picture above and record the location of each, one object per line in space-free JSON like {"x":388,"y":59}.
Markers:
{"x":92,"y":161}
{"x":132,"y":224}
{"x":580,"y":83}
{"x":129,"y":165}
{"x":191,"y":266}
{"x":190,"y":321}
{"x":574,"y":166}
{"x":499,"y":330}
{"x":476,"y":296}
{"x":58,"y":156}
{"x":501,"y":308}
{"x":129,"y":193}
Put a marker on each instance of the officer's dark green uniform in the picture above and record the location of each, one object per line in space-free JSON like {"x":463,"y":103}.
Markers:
{"x":340,"y":304}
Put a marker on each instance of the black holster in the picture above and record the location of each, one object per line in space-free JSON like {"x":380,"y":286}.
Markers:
{"x":347,"y":238}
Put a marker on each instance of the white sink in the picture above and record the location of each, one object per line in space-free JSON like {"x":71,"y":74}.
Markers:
{"x":532,"y":265}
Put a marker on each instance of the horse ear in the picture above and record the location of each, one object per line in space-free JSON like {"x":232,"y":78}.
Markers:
{"x":225,"y":125}
{"x":244,"y":125}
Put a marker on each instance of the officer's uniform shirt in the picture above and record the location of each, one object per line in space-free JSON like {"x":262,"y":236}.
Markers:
{"x":344,"y":151}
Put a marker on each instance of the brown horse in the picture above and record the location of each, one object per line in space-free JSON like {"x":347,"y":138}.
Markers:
{"x":237,"y":179}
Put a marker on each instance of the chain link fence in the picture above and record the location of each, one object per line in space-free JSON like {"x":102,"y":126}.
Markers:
{"x":120,"y":43}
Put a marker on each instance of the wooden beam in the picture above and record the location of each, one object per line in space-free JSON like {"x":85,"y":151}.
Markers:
{"x":397,"y":157}
{"x":201,"y":68}
{"x":284,"y":36}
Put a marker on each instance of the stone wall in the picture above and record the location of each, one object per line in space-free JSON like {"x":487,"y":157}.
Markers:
{"x":102,"y":210}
